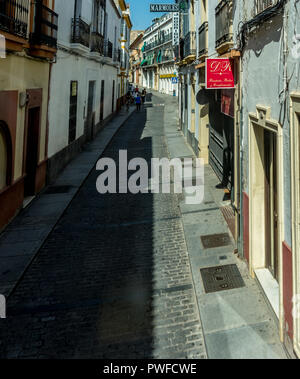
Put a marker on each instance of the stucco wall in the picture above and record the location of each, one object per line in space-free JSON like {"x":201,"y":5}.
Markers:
{"x":264,"y":83}
{"x":20,"y":73}
{"x":83,"y":68}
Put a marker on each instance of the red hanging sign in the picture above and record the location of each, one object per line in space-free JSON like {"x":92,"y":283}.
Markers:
{"x":219,"y":73}
{"x":227,"y":102}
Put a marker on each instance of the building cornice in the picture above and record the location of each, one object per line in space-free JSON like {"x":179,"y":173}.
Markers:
{"x":115,"y":8}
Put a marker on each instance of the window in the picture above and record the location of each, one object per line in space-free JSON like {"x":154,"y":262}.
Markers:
{"x":99,"y":17}
{"x":77,"y":10}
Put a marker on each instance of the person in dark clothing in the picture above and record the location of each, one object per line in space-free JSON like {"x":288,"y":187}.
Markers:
{"x":144,"y":93}
{"x":138,"y":102}
{"x":128,"y":100}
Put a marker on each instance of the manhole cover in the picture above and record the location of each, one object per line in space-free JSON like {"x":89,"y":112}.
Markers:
{"x":58,"y":189}
{"x":221,"y":278}
{"x":215,"y":240}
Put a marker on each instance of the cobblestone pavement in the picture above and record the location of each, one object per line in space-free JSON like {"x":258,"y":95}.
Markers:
{"x":113,"y":279}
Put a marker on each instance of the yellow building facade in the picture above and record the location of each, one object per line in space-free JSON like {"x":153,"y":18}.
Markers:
{"x":30,"y":34}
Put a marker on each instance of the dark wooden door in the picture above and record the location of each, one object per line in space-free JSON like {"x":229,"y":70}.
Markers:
{"x":73,"y":111}
{"x":90,"y":113}
{"x":32,"y":149}
{"x":113,"y":97}
{"x":102,"y":100}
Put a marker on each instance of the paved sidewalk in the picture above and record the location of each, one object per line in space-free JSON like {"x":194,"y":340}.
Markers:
{"x":22,"y":239}
{"x":237,"y":324}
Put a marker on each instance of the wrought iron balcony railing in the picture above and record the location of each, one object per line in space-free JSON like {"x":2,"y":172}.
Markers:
{"x":224,"y":14}
{"x":108,"y":49}
{"x":163,"y":39}
{"x":203,"y":45}
{"x":189,"y":45}
{"x":261,"y":5}
{"x":167,"y":58}
{"x":81,"y":32}
{"x":97,"y":43}
{"x":44,"y":26}
{"x":14,"y":16}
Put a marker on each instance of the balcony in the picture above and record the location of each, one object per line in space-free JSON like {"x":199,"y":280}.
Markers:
{"x":81,"y":33}
{"x":189,"y":49}
{"x":224,"y":31}
{"x":162,"y":40}
{"x":14,"y":17}
{"x":262,"y":5}
{"x":97,"y":43}
{"x":167,"y":58}
{"x":44,"y":26}
{"x":203,"y":40}
{"x":108,"y":49}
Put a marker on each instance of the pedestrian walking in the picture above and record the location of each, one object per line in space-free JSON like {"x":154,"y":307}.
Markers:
{"x":128,"y":100}
{"x":138,"y":102}
{"x":144,"y":93}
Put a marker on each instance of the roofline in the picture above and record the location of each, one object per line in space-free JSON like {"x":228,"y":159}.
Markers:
{"x":140,"y":36}
{"x":115,"y":8}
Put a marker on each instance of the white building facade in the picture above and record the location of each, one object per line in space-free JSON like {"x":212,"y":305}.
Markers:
{"x":86,"y":81}
{"x":159,"y":69}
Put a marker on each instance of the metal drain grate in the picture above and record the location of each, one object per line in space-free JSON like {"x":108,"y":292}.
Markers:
{"x":58,"y":189}
{"x":215,"y":240}
{"x":229,"y":216}
{"x":221,"y":278}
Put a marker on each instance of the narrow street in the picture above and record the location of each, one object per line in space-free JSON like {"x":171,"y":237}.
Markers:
{"x":149,"y":181}
{"x":113,"y":279}
{"x":119,"y":274}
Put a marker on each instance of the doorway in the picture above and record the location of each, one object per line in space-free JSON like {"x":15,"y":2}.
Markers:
{"x":90,"y":113}
{"x":271,"y":204}
{"x":113,"y":98}
{"x":32,"y":151}
{"x":266,"y":204}
{"x":102,"y":100}
{"x":295,"y":183}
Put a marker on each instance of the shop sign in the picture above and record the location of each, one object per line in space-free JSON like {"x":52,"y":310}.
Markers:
{"x":219,"y":73}
{"x":167,"y":76}
{"x":175,"y":29}
{"x":164,"y":8}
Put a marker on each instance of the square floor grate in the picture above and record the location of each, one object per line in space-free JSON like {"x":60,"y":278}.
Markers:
{"x":215,"y":240}
{"x":58,"y":189}
{"x":221,"y":278}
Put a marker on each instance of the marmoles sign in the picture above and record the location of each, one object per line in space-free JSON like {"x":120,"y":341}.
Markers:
{"x":164,"y":7}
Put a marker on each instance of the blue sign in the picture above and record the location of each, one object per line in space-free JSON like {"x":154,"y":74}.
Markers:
{"x":174,"y":80}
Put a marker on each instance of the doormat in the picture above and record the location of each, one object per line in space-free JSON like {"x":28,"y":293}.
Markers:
{"x":57,"y":189}
{"x":221,"y":278}
{"x":215,"y":240}
{"x":229,"y":216}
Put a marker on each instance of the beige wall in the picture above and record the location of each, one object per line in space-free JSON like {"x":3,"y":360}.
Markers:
{"x":20,"y":73}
